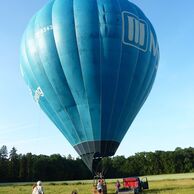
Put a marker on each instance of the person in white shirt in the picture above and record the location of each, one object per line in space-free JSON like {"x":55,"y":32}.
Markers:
{"x":99,"y":186}
{"x":38,"y":189}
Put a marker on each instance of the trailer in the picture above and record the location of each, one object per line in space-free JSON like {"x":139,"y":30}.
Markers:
{"x":133,"y":185}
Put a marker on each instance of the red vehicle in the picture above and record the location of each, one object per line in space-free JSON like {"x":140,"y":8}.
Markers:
{"x":133,"y":185}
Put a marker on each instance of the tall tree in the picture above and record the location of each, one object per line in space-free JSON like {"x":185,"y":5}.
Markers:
{"x":3,"y":164}
{"x":13,"y":154}
{"x":23,"y":168}
{"x":13,"y":164}
{"x":3,"y":152}
{"x":29,"y":158}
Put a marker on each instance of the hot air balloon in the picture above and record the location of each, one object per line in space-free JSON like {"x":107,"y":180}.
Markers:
{"x":90,"y":65}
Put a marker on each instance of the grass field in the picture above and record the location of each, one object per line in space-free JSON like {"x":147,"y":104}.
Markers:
{"x":161,"y":184}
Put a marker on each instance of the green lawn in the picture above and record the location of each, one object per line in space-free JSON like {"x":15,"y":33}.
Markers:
{"x":161,"y":184}
{"x":171,"y":184}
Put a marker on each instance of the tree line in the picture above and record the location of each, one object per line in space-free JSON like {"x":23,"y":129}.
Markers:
{"x":28,"y":167}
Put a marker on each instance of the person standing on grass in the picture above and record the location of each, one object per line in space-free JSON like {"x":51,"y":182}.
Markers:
{"x":38,"y":188}
{"x":117,"y":185}
{"x":100,"y":186}
{"x":34,"y":189}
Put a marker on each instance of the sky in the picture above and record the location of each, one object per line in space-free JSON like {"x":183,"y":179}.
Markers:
{"x":165,"y":121}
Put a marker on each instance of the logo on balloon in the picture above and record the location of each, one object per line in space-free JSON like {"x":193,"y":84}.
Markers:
{"x":134,"y":31}
{"x":137,"y":34}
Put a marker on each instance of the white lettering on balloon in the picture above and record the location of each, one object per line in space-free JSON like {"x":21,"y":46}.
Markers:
{"x":137,"y":34}
{"x":32,"y":45}
{"x":41,"y":31}
{"x":38,"y":93}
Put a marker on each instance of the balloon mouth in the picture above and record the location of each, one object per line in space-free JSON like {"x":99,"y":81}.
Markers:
{"x":92,"y":152}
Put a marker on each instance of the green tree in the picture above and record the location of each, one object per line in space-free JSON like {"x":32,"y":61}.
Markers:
{"x":23,"y":168}
{"x":3,"y":152}
{"x":13,"y":165}
{"x":30,"y":159}
{"x":118,"y":164}
{"x":4,"y":177}
{"x":179,"y":160}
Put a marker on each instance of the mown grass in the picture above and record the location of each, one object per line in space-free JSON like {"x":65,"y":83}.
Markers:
{"x":171,"y":186}
{"x":161,"y":184}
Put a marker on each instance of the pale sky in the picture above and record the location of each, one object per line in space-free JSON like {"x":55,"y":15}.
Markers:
{"x":166,"y":120}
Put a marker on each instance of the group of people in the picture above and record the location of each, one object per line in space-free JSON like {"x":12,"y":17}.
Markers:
{"x":38,"y":188}
{"x":100,"y":186}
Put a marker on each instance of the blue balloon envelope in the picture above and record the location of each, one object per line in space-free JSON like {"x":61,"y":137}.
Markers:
{"x":90,"y":65}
